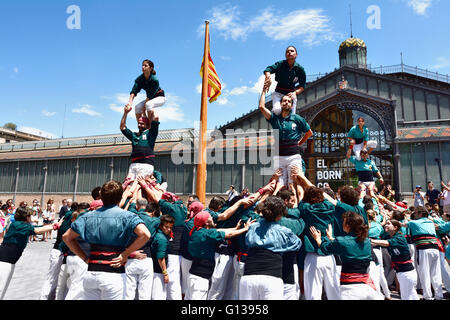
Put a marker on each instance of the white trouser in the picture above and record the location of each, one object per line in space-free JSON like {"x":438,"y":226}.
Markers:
{"x":139,"y":276}
{"x":153,"y":103}
{"x":197,"y":288}
{"x":104,"y":285}
{"x":292,"y":291}
{"x":276,"y":103}
{"x":76,"y":270}
{"x":221,"y":279}
{"x":389,"y":272}
{"x":261,"y":287}
{"x":429,"y":269}
{"x":49,"y":288}
{"x":359,"y":291}
{"x":174,"y":271}
{"x":63,"y":283}
{"x":159,"y":288}
{"x":6,"y":274}
{"x":139,"y":169}
{"x":320,"y":272}
{"x":185,"y":267}
{"x":381,"y":280}
{"x":408,"y":281}
{"x":371,"y":144}
{"x":444,"y":272}
{"x":286,"y":163}
{"x":238,"y":268}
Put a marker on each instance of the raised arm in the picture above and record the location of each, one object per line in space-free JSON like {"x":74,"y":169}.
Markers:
{"x":123,"y":121}
{"x":262,"y":105}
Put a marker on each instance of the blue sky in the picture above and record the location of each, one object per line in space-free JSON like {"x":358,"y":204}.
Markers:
{"x":67,"y":82}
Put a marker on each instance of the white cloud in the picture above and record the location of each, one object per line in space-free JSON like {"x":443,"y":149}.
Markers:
{"x":420,"y":6}
{"x":37,"y":132}
{"x":87,"y":109}
{"x":48,"y":113}
{"x":310,"y":25}
{"x":16,"y":70}
{"x":441,"y":62}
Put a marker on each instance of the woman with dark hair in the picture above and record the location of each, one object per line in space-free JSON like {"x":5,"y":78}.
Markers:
{"x":290,"y":77}
{"x":14,"y":244}
{"x":359,"y":138}
{"x":320,"y":270}
{"x":398,"y":249}
{"x":355,"y":252}
{"x":267,"y":240}
{"x":155,"y":95}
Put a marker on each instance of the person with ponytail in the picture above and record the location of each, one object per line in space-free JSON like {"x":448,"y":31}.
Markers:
{"x":402,"y":263}
{"x":202,"y":246}
{"x":355,"y":252}
{"x":155,"y":95}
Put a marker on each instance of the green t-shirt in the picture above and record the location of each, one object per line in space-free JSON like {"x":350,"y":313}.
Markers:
{"x":151,"y":86}
{"x":160,"y":245}
{"x":177,"y":210}
{"x":356,"y":133}
{"x":202,"y":243}
{"x":18,"y":233}
{"x":288,"y":79}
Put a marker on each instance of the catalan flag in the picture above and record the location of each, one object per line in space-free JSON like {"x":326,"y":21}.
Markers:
{"x":214,"y":85}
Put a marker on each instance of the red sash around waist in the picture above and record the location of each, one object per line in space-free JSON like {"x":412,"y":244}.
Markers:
{"x":350,"y":278}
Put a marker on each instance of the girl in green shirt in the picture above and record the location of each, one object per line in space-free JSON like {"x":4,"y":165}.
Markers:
{"x":354,"y":250}
{"x":14,"y":244}
{"x":155,"y":95}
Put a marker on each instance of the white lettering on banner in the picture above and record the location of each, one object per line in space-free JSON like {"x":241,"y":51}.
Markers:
{"x":327,"y":174}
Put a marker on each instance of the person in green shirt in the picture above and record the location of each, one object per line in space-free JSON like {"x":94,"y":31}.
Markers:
{"x":142,"y":147}
{"x":155,"y":95}
{"x":354,"y":250}
{"x":202,"y":246}
{"x":293,"y":131}
{"x":160,"y":247}
{"x":14,"y":243}
{"x":359,"y":138}
{"x":365,"y":168}
{"x":402,"y":263}
{"x":290,"y":77}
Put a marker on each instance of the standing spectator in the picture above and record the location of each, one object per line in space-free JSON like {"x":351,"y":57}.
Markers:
{"x":231,"y":193}
{"x":445,"y":196}
{"x":14,"y":244}
{"x":432,"y":194}
{"x":48,"y":216}
{"x":65,"y":207}
{"x":418,"y":197}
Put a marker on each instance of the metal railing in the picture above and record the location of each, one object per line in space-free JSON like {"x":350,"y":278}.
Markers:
{"x":398,"y":68}
{"x":112,"y":139}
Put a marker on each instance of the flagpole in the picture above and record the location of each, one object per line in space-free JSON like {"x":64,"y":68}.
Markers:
{"x":201,"y":166}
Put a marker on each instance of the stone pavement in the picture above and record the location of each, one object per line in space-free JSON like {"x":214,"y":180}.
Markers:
{"x":31,"y":271}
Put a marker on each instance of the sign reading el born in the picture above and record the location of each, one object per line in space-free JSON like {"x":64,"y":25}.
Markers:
{"x":324,"y":175}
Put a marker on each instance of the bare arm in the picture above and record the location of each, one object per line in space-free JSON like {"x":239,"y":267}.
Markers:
{"x":143,"y":235}
{"x":382,"y":243}
{"x":123,"y":121}
{"x":262,"y":105}
{"x":306,"y":136}
{"x":162,"y":265}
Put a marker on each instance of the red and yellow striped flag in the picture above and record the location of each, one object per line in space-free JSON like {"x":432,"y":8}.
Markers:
{"x":214,"y":85}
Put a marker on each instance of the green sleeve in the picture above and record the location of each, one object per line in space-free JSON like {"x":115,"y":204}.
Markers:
{"x":136,"y":87}
{"x":162,"y":248}
{"x":128,"y":133}
{"x":273,"y":68}
{"x":329,"y":247}
{"x":302,"y":78}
